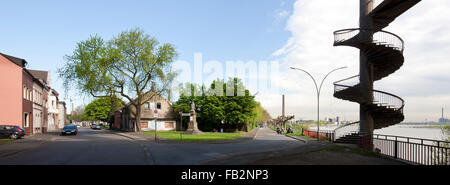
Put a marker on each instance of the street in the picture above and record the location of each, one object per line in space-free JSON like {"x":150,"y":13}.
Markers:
{"x":89,"y":147}
{"x":193,"y":153}
{"x":103,"y":147}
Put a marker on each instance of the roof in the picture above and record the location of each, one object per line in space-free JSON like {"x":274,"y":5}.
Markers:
{"x":42,"y":75}
{"x":18,"y":61}
{"x":149,"y":93}
{"x":34,"y":78}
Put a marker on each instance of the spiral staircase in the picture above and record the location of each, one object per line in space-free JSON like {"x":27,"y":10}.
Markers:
{"x":384,"y":51}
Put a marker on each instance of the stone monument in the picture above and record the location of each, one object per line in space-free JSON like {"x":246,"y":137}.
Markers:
{"x":192,"y":125}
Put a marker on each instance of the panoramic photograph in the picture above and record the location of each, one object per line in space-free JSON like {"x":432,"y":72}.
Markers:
{"x":225,"y":90}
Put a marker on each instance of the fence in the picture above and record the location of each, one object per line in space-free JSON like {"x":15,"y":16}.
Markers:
{"x":415,"y":150}
{"x":324,"y":135}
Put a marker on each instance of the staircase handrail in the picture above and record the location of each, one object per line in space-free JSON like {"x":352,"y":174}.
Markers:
{"x":385,"y":37}
{"x":379,"y":97}
{"x":337,"y":135}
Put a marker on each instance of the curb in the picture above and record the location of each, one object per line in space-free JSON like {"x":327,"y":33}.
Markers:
{"x":298,"y":138}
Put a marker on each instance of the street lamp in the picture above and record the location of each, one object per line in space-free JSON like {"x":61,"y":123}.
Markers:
{"x":318,"y":89}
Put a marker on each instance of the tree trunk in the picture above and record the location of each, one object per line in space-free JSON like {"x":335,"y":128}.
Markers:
{"x":138,"y":118}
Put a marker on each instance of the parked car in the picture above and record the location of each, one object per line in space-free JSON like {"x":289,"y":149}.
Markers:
{"x":11,"y":131}
{"x":96,"y":126}
{"x":70,"y":129}
{"x":78,"y":126}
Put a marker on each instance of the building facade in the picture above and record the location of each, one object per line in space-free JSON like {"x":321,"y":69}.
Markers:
{"x":11,"y":93}
{"x":164,"y":120}
{"x":38,"y":106}
{"x":53,"y":110}
{"x":27,"y":102}
{"x":62,"y":115}
{"x":25,"y":97}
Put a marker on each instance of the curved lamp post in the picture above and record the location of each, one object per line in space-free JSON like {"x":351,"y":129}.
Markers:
{"x":318,"y":89}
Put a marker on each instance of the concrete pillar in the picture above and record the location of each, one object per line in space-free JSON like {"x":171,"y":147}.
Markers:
{"x":366,"y":70}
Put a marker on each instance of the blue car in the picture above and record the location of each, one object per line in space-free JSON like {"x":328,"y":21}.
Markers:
{"x":69,"y":130}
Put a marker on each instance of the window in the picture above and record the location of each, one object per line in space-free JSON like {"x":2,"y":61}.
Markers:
{"x":25,"y":92}
{"x":152,"y":105}
{"x":168,"y":125}
{"x":26,"y":119}
{"x":147,"y":106}
{"x":158,"y":106}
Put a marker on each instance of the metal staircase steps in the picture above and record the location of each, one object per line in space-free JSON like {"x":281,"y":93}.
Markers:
{"x":384,"y":51}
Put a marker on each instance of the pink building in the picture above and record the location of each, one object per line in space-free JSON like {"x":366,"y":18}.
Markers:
{"x":11,"y":93}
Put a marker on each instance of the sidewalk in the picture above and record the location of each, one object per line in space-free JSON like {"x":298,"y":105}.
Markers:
{"x":132,"y":135}
{"x":26,"y":143}
{"x":315,"y":153}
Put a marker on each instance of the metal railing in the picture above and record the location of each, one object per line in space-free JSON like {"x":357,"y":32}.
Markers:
{"x":346,"y":129}
{"x":346,"y":83}
{"x":380,"y":98}
{"x":415,"y":150}
{"x":327,"y":135}
{"x":380,"y":38}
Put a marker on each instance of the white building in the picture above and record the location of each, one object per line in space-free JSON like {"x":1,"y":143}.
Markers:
{"x":53,"y":110}
{"x":61,"y":114}
{"x":38,"y":107}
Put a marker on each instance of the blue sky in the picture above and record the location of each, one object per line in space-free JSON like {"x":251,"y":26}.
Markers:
{"x":296,"y":33}
{"x":42,"y":32}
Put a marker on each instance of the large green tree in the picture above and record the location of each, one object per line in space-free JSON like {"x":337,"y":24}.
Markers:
{"x":129,"y":65}
{"x":222,"y":105}
{"x":102,"y":108}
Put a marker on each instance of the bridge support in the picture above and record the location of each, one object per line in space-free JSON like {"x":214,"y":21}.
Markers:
{"x":366,"y":70}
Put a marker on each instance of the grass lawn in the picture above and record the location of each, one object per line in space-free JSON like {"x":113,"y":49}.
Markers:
{"x":5,"y":141}
{"x":206,"y":136}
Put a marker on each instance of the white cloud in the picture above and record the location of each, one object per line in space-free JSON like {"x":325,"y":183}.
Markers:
{"x":422,"y":81}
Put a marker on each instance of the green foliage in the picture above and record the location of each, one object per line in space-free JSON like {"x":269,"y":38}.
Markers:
{"x":128,"y":66}
{"x":262,"y":115}
{"x":229,"y":102}
{"x":78,"y":114}
{"x":102,"y":108}
{"x":205,"y":137}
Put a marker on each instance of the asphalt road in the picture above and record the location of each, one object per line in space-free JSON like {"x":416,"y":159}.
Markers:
{"x":194,"y":153}
{"x":89,"y":147}
{"x":101,"y":147}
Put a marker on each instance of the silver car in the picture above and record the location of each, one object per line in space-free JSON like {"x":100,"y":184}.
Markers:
{"x":96,"y":126}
